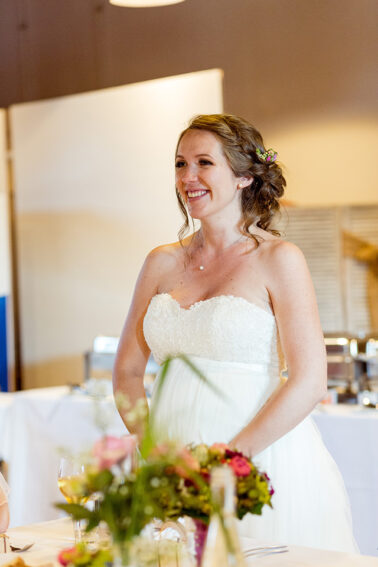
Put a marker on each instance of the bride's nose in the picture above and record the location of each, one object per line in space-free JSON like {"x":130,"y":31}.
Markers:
{"x":189,"y":174}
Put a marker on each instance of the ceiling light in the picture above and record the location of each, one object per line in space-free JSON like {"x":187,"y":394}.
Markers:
{"x":144,"y":3}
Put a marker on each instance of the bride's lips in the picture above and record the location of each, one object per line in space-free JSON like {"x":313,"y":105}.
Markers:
{"x":196,"y":194}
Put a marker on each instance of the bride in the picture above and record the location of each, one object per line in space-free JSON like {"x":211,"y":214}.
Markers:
{"x":239,"y":301}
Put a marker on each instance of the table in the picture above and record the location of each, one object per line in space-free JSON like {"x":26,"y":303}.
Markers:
{"x":42,"y":420}
{"x":51,"y":537}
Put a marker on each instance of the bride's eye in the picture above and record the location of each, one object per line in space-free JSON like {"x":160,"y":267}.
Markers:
{"x":179,"y":163}
{"x":205,"y":162}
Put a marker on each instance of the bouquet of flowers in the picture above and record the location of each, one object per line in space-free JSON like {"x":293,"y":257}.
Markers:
{"x":253,"y":488}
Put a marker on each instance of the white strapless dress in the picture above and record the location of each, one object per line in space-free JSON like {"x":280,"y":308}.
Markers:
{"x":235,"y":344}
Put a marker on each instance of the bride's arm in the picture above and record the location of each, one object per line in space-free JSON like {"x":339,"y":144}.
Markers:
{"x":133,"y":352}
{"x":294,"y":303}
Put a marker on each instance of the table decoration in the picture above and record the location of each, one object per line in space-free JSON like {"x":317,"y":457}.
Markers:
{"x":167,"y":481}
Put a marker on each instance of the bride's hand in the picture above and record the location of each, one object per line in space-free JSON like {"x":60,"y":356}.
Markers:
{"x":238,"y":443}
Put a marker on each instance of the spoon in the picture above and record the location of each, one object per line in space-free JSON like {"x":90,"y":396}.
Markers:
{"x":18,"y":549}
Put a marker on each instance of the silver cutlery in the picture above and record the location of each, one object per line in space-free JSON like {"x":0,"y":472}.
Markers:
{"x":267,"y":550}
{"x":18,"y":549}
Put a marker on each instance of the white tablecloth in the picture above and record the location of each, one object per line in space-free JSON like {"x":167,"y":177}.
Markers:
{"x":351,"y":436}
{"x":51,"y":537}
{"x":6,"y":400}
{"x":38,"y":422}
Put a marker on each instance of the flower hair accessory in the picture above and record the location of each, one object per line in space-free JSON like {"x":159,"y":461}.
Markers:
{"x":269,"y":156}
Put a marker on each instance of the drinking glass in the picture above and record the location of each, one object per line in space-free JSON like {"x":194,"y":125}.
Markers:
{"x":70,"y":483}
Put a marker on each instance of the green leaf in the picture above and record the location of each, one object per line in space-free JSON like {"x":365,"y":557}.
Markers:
{"x":160,"y":384}
{"x":101,"y":480}
{"x":77,"y":511}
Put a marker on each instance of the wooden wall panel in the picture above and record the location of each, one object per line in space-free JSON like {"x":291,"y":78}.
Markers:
{"x":57,"y":48}
{"x":10,"y":61}
{"x":282,"y":60}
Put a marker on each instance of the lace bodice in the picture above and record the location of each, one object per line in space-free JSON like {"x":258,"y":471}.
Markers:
{"x":224,"y":328}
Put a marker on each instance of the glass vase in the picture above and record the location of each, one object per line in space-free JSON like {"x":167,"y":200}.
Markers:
{"x":122,"y":556}
{"x":222,"y":545}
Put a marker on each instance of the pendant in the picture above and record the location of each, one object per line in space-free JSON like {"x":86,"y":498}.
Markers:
{"x":201,"y":268}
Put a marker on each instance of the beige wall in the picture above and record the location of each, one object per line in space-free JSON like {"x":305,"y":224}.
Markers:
{"x":329,"y":160}
{"x":94,"y":179}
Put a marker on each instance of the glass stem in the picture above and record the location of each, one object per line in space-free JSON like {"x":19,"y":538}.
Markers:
{"x":77,"y":531}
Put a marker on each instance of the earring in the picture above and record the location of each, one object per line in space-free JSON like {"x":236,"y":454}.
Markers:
{"x":240,"y":185}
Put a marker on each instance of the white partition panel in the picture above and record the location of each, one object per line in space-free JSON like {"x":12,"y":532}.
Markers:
{"x":94,"y":182}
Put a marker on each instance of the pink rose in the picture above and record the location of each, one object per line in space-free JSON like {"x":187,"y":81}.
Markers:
{"x":240,"y":466}
{"x":110,"y":450}
{"x":68,"y":555}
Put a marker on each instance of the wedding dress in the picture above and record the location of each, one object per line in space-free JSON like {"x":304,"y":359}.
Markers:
{"x":235,"y":344}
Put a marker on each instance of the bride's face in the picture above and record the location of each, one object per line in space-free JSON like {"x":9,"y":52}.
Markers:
{"x":204,"y":178}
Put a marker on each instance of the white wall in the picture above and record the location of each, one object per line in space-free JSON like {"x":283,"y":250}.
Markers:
{"x":94,"y":177}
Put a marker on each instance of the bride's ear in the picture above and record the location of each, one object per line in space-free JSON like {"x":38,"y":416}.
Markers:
{"x":244,"y":181}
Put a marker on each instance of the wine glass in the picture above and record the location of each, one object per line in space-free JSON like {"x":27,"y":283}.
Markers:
{"x":70,"y":483}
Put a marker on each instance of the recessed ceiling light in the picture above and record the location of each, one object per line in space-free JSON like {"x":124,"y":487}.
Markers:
{"x":144,"y":3}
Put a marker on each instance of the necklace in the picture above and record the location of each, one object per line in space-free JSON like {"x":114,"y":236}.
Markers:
{"x":201,"y":267}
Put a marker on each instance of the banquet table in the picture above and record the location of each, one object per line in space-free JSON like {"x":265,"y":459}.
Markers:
{"x":36,"y":423}
{"x":50,"y":537}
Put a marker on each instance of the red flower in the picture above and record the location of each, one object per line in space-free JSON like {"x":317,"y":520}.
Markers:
{"x":240,"y":466}
{"x":230,"y":453}
{"x":205,"y":475}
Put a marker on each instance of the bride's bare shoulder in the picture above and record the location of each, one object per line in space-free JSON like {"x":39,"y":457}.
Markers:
{"x":167,"y":257}
{"x":276,"y":249}
{"x":281,"y":257}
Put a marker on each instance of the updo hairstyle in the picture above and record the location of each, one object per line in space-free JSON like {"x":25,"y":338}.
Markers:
{"x":240,"y":140}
